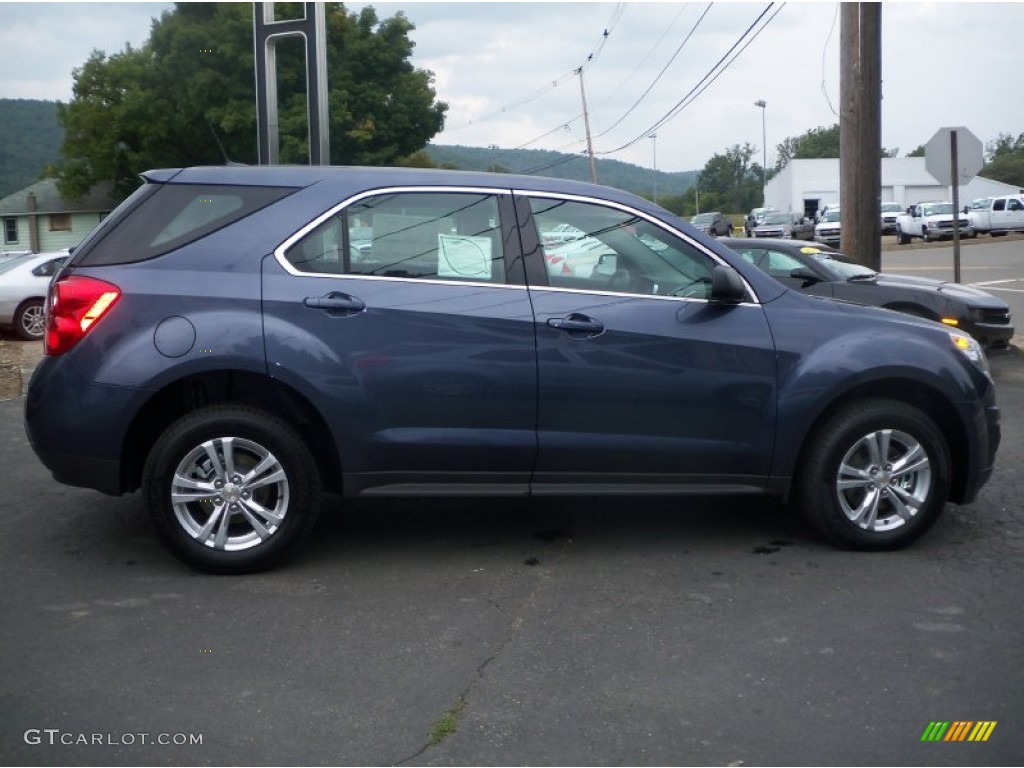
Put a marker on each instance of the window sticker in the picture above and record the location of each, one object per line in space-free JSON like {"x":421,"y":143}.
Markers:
{"x":464,"y":256}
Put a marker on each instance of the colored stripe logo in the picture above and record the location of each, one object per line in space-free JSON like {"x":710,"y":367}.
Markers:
{"x":958,"y":730}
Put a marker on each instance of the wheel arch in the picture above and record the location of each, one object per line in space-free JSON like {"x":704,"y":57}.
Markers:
{"x":235,"y":387}
{"x":920,"y":395}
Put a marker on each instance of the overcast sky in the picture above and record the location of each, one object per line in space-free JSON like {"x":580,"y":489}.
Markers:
{"x":505,"y":69}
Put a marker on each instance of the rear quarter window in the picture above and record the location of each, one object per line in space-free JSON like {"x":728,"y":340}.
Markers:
{"x":175,"y":215}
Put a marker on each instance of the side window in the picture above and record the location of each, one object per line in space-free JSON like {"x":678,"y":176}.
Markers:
{"x":48,"y":268}
{"x":780,"y":264}
{"x":756,"y":256}
{"x":1016,"y":205}
{"x":424,"y":235}
{"x":613,"y":250}
{"x":999,"y":205}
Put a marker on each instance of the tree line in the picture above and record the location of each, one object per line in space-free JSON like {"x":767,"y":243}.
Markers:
{"x":187,"y":97}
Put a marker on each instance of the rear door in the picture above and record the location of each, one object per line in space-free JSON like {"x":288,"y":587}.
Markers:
{"x":403,"y":316}
{"x":643,"y":381}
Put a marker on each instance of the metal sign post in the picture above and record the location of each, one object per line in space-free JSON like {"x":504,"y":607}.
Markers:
{"x":312,"y":28}
{"x":953,"y":156}
{"x":953,"y":163}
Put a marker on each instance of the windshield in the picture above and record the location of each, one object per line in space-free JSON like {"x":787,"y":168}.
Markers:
{"x":831,"y":216}
{"x":841,"y":267}
{"x":777,"y":218}
{"x":891,"y":207}
{"x":703,"y":218}
{"x":931,"y":209}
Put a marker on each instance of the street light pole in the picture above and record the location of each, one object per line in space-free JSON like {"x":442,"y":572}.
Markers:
{"x":654,"y":151}
{"x":764,"y":145}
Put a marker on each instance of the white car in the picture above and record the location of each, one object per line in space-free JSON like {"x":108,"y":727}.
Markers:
{"x":24,"y":281}
{"x":890,"y":212}
{"x":829,"y":230}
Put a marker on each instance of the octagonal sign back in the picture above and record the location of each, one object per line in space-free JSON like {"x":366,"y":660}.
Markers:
{"x":970,"y":156}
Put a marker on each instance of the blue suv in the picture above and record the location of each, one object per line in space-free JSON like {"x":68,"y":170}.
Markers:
{"x":235,"y":340}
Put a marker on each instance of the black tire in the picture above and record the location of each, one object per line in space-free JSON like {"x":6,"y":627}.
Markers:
{"x":830,"y":497}
{"x":901,"y":239}
{"x":30,"y":320}
{"x":268,"y":513}
{"x":925,"y":236}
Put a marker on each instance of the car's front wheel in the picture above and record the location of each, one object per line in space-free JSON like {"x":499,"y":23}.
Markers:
{"x":874,"y":476}
{"x":232,"y":489}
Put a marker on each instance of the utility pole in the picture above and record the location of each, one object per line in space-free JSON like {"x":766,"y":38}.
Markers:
{"x":764,"y":143}
{"x":586,"y":124}
{"x":860,"y":131}
{"x":654,"y":153}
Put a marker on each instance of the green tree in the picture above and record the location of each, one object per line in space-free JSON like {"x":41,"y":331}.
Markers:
{"x":919,"y":152}
{"x":187,"y":97}
{"x":729,"y":182}
{"x":1005,"y":156}
{"x":816,"y":143}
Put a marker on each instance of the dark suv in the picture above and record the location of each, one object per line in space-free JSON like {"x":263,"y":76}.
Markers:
{"x":233,"y":341}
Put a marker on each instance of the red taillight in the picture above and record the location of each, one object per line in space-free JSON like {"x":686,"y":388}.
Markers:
{"x":74,"y":307}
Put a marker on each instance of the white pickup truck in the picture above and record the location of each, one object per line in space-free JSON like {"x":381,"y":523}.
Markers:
{"x":997,"y":215}
{"x":929,"y":221}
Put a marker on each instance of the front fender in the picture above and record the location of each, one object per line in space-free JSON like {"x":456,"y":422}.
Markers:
{"x":877,"y":350}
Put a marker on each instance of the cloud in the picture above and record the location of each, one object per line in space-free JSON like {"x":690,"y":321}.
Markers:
{"x":494,"y":64}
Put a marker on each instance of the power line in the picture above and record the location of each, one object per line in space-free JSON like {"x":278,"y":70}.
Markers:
{"x":646,"y":56}
{"x":616,"y":17}
{"x":707,"y":79}
{"x":658,"y":77}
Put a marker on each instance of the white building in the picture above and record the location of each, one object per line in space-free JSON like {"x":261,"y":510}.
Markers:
{"x":807,"y":185}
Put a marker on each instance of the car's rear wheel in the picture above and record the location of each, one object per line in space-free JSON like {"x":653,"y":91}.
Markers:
{"x":30,"y":320}
{"x":901,"y":238}
{"x":874,"y":476}
{"x":232,"y":489}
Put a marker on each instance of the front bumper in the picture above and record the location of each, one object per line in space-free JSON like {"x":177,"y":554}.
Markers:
{"x":990,"y":335}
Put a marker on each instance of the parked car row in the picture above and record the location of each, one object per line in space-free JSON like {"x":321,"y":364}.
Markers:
{"x":237,"y":364}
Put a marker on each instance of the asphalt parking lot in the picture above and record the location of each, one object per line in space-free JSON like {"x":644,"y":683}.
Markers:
{"x":508,"y":632}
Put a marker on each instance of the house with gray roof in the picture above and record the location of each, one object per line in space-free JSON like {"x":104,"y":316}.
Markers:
{"x":38,"y":219}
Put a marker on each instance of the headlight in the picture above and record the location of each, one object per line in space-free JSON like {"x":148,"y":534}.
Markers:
{"x":971,"y":349}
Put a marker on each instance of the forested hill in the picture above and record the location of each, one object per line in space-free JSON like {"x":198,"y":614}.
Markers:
{"x":542,"y":162}
{"x":30,"y":137}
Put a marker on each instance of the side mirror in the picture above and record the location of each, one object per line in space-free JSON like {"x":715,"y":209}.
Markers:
{"x":805,"y":274}
{"x":727,"y":286}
